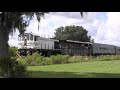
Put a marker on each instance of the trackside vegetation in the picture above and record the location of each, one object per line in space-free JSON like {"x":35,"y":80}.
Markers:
{"x":37,"y":59}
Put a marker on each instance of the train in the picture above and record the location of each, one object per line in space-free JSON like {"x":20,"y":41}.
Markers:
{"x":29,"y":43}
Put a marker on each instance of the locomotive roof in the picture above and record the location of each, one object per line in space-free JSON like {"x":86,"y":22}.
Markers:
{"x":104,"y":44}
{"x":30,"y":33}
{"x":78,"y":42}
{"x":48,"y":39}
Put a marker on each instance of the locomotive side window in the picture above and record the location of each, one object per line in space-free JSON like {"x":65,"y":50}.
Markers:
{"x":27,"y":36}
{"x":36,"y":38}
{"x":23,"y":37}
{"x":31,"y":37}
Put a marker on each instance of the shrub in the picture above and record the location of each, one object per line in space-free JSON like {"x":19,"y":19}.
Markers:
{"x":35,"y":55}
{"x":89,"y":58}
{"x":39,"y":60}
{"x":47,"y":61}
{"x":107,"y":57}
{"x":28,"y":59}
{"x":22,"y":60}
{"x":104,"y":58}
{"x":56,"y":59}
{"x":116,"y":57}
{"x":13,"y":51}
{"x":11,"y":68}
{"x":65,"y":58}
{"x":31,"y":60}
{"x":75,"y":59}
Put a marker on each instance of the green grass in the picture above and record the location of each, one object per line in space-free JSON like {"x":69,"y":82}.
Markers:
{"x":95,"y":69}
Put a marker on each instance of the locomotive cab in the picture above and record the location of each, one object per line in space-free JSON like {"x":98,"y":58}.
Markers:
{"x":26,"y":42}
{"x":31,"y":42}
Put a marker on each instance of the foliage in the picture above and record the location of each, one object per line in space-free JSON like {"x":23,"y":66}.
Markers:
{"x":11,"y":68}
{"x":116,"y":57}
{"x":13,"y":51}
{"x":57,"y":59}
{"x":19,"y":20}
{"x":34,"y":59}
{"x":65,"y":58}
{"x":75,"y":59}
{"x":107,"y":57}
{"x":47,"y":61}
{"x":77,"y":33}
{"x":37,"y":59}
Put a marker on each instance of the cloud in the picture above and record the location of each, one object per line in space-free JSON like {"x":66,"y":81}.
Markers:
{"x":104,"y":27}
{"x":109,"y":32}
{"x":55,"y":20}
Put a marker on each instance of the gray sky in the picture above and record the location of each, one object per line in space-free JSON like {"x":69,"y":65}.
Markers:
{"x":104,"y":27}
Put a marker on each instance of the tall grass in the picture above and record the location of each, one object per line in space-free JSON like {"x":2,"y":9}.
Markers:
{"x":107,"y":57}
{"x":38,"y":59}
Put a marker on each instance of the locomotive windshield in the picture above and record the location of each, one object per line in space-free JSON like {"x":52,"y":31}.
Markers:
{"x":31,"y":37}
{"x":26,"y":36}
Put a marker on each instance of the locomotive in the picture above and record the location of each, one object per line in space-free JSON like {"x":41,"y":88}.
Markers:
{"x":29,"y":42}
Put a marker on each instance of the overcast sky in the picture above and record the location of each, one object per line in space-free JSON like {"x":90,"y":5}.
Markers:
{"x":103,"y":27}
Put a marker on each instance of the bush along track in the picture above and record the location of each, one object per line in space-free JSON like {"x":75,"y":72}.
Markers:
{"x":11,"y":68}
{"x":36,"y":59}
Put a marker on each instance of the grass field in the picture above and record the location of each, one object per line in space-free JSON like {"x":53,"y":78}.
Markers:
{"x":95,"y":69}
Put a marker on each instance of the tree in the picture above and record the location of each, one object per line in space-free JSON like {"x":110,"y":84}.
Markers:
{"x":77,"y":33}
{"x":10,"y":21}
